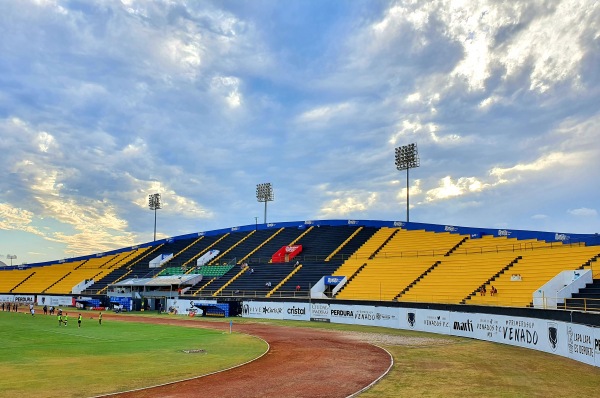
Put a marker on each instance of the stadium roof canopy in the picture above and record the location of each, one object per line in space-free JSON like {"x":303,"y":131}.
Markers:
{"x":159,"y":281}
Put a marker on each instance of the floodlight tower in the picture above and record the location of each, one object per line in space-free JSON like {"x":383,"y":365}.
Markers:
{"x":264,"y":193}
{"x":407,"y":157}
{"x":154,"y":204}
{"x":11,"y":257}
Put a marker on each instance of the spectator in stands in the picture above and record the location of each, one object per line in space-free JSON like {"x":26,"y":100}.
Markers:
{"x":493,"y":291}
{"x":482,"y":291}
{"x":268,"y":284}
{"x":251,"y":270}
{"x":297,"y":288}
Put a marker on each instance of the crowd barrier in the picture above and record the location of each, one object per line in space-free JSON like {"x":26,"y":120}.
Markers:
{"x":567,"y":339}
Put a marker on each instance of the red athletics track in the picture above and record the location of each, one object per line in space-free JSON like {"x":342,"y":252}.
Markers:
{"x":301,"y":362}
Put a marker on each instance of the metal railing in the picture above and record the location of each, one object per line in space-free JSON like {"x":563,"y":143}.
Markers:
{"x":254,"y":293}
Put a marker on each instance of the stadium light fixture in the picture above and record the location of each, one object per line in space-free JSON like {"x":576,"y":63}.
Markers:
{"x":407,"y":157}
{"x":11,"y":257}
{"x":154,"y":204}
{"x":264,"y":193}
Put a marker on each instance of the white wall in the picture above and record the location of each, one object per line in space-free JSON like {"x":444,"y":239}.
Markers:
{"x":578,"y":342}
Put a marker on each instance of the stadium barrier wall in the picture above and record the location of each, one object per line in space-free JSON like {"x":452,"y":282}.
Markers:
{"x":575,"y":341}
{"x":17,"y":298}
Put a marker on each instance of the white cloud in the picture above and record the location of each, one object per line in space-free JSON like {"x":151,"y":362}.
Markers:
{"x":449,"y":188}
{"x":16,"y":219}
{"x":347,"y":203}
{"x":544,"y":162}
{"x":325,"y":113}
{"x":583,"y":212}
{"x":228,"y":88}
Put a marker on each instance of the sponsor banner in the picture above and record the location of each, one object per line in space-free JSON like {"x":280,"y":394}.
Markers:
{"x":6,"y":298}
{"x":256,"y":309}
{"x":342,"y":314}
{"x":377,"y":316}
{"x":55,"y":301}
{"x":537,"y":334}
{"x":19,"y":298}
{"x":296,"y":311}
{"x":319,"y":312}
{"x":597,"y":346}
{"x":462,"y":324}
{"x":333,"y":280}
{"x":433,"y":321}
{"x":581,"y":343}
{"x":556,"y":335}
{"x":187,"y":307}
{"x":522,"y":332}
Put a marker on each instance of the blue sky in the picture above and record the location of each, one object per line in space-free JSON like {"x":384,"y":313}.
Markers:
{"x":105,"y":102}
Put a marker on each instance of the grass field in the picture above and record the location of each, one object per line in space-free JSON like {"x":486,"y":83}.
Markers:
{"x":40,"y":359}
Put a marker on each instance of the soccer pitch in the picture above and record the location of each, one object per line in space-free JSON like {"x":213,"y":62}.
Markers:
{"x":40,"y":358}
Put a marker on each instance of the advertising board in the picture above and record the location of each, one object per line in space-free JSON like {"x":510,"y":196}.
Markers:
{"x":578,"y":342}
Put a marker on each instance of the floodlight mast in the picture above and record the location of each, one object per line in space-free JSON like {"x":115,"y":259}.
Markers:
{"x":11,"y":257}
{"x":154,"y":204}
{"x":264,"y":193}
{"x":407,"y":157}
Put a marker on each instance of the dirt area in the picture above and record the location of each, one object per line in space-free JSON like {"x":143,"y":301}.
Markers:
{"x":301,"y":362}
{"x":389,"y":339}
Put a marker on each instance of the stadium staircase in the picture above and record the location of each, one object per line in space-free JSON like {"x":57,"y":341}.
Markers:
{"x":587,"y":299}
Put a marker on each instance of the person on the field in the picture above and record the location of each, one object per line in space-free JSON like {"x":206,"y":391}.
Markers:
{"x":66,"y":319}
{"x":45,"y":310}
{"x":100,"y":319}
{"x":60,"y":321}
{"x":79,"y":321}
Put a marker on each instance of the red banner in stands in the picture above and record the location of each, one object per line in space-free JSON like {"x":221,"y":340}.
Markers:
{"x":286,"y":254}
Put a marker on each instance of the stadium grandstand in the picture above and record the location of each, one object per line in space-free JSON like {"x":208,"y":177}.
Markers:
{"x":386,"y":261}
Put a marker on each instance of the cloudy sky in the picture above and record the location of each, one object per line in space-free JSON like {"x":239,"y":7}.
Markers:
{"x":105,"y":102}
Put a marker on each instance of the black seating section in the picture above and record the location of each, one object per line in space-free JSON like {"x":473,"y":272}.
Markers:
{"x":213,"y":286}
{"x":320,"y":242}
{"x":201,"y":246}
{"x":317,"y":245}
{"x":354,"y":244}
{"x":309,"y":274}
{"x":591,"y":293}
{"x":252,"y":284}
{"x":248,"y":245}
{"x":284,"y":238}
